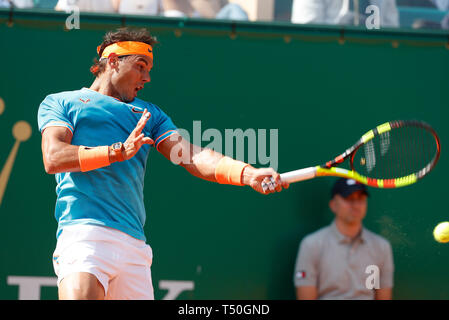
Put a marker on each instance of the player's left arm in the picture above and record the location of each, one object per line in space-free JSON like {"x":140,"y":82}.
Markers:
{"x":203,"y":162}
{"x":383,"y":294}
{"x":386,"y":274}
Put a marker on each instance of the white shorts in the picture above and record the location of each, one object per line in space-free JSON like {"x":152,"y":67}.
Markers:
{"x":120,"y":262}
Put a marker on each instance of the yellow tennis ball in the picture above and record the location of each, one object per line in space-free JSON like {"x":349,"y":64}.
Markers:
{"x":441,"y":232}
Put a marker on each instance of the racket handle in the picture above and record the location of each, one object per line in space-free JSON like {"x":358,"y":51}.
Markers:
{"x":292,"y":176}
{"x":299,"y":175}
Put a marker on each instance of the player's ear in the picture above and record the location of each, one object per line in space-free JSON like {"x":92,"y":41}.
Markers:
{"x":333,"y":205}
{"x":113,"y":61}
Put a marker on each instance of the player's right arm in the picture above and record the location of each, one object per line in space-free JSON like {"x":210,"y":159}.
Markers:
{"x":59,"y":155}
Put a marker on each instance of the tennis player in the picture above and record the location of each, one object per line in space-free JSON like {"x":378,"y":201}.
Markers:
{"x":96,"y":141}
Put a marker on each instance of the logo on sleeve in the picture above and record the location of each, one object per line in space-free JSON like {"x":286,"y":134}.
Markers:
{"x":136,"y":110}
{"x":84,"y":101}
{"x":300,"y":275}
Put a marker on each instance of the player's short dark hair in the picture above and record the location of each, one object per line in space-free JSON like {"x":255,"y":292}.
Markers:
{"x":122,"y":34}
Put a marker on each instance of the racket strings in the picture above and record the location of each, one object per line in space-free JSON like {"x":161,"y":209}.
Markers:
{"x":397,"y":153}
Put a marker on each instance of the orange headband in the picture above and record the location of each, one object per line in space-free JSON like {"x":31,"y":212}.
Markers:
{"x":125,"y":48}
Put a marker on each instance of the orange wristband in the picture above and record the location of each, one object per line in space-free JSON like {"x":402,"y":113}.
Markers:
{"x":229,"y":171}
{"x":93,"y":158}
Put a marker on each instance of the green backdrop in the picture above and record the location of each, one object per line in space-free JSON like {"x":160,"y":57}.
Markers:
{"x":321,"y":87}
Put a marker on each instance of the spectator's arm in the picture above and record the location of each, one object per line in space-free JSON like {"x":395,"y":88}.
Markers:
{"x":115,"y":4}
{"x":306,"y":293}
{"x":61,"y":5}
{"x":306,"y":270}
{"x":160,"y":7}
{"x":383,"y":294}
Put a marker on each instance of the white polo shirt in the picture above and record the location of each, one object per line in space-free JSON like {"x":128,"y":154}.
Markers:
{"x":344,"y":268}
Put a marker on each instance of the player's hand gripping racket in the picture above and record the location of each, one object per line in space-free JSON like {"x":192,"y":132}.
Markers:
{"x":393,"y":155}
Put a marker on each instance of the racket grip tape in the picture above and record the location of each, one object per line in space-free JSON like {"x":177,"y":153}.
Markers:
{"x":299,"y":175}
{"x":294,"y":176}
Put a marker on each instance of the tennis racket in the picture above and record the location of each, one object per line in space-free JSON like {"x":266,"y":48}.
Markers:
{"x":392,"y":155}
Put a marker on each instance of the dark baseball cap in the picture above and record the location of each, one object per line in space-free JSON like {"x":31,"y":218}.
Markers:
{"x":346,"y":187}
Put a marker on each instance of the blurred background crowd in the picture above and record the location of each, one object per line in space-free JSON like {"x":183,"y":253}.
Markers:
{"x":417,"y":14}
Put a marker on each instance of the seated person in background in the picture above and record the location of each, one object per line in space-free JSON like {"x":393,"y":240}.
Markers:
{"x":22,"y":4}
{"x":45,"y":4}
{"x":109,"y":6}
{"x":5,"y":3}
{"x":220,"y":9}
{"x":178,"y":8}
{"x":423,"y":23}
{"x":443,"y":5}
{"x":141,"y":7}
{"x":415,"y":3}
{"x":342,"y":12}
{"x":210,"y":9}
{"x":445,"y":22}
{"x":340,"y":261}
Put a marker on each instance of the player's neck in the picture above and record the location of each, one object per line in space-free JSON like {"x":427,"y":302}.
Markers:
{"x":103,"y":85}
{"x":350,"y":230}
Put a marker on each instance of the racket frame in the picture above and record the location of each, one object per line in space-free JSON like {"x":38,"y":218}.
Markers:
{"x":330,"y":169}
